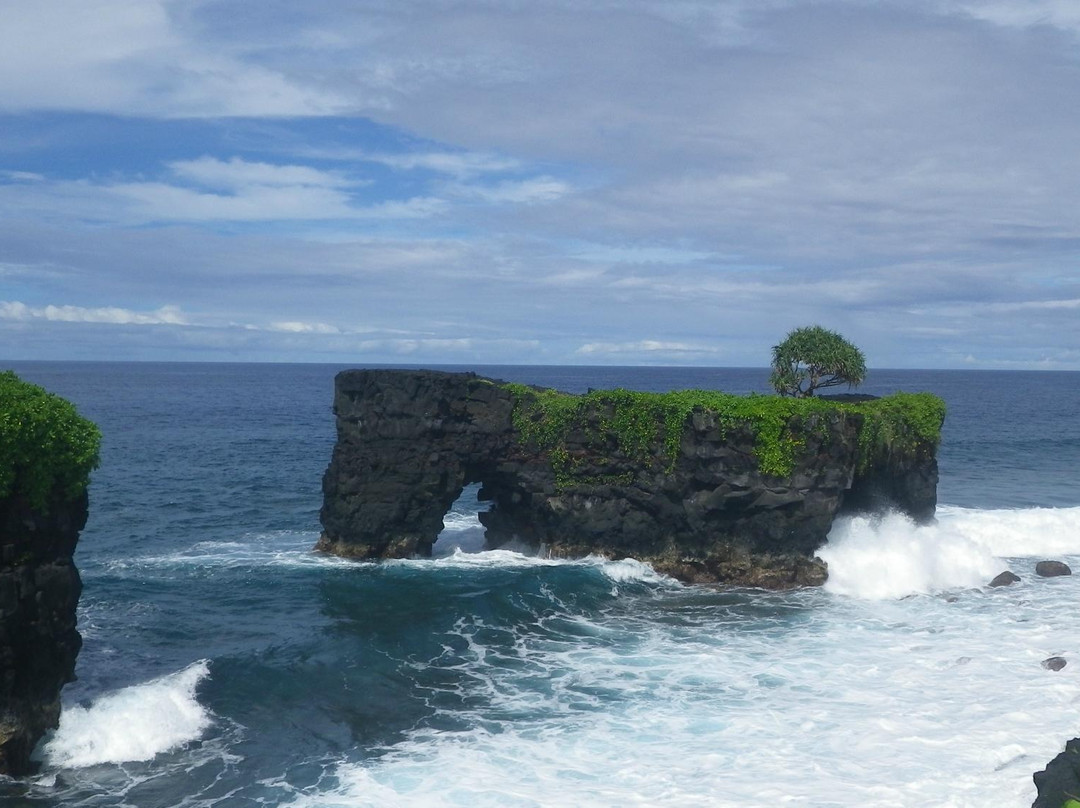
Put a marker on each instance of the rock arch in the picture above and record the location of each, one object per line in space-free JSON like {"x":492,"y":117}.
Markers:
{"x":409,"y":441}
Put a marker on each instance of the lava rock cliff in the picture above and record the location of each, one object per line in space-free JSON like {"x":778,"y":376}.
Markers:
{"x":696,"y":504}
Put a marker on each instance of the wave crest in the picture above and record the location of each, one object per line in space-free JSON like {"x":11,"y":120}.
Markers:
{"x":132,"y":724}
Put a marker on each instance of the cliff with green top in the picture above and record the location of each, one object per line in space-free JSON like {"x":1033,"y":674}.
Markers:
{"x":704,"y":485}
{"x":47,"y":452}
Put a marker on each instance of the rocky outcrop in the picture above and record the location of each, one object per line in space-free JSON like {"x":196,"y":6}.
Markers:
{"x":1060,"y":780}
{"x":694,"y":491}
{"x":39,"y":592}
{"x":47,"y":451}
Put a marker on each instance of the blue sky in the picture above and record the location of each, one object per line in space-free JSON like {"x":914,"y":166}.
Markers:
{"x":560,"y":181}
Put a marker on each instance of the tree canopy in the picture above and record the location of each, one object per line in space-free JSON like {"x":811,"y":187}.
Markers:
{"x":813,"y":357}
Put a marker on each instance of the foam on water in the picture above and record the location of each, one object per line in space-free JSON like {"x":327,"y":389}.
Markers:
{"x":276,"y":549}
{"x":891,"y":557}
{"x":875,"y":703}
{"x":133,"y":724}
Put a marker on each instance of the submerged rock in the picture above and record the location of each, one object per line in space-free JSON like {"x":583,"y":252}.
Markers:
{"x":1004,"y":578}
{"x":687,"y":494}
{"x":1054,"y":663}
{"x":1052,"y":569}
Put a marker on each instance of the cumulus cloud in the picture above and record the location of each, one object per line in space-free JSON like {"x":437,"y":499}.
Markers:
{"x":564,"y":171}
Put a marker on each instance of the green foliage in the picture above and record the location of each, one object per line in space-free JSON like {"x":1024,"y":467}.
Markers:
{"x":902,"y":422}
{"x":45,"y":445}
{"x":813,"y":357}
{"x":648,"y":427}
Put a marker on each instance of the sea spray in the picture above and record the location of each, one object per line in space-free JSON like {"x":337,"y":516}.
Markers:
{"x":132,"y":724}
{"x":889,"y":556}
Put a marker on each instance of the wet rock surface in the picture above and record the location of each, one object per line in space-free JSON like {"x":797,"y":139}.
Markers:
{"x":1006,"y":578}
{"x":1060,"y":780}
{"x":39,"y":593}
{"x":1052,"y":569}
{"x":408,"y":441}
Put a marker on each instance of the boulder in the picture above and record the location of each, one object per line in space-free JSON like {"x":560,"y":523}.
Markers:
{"x":1054,"y":663}
{"x":1005,"y":578}
{"x":1052,"y":569}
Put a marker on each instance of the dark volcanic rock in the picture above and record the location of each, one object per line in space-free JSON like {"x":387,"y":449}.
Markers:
{"x":408,"y":441}
{"x":1052,"y":569}
{"x":1060,"y":780}
{"x":1005,"y":578}
{"x":39,"y":592}
{"x":1054,"y":663}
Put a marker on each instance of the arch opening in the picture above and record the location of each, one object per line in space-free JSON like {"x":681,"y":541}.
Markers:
{"x":462,"y":529}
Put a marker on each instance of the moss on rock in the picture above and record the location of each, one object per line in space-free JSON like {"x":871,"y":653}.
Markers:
{"x":649,"y":426}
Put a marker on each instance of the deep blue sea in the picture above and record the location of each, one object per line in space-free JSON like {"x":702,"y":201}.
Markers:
{"x":225,"y":664}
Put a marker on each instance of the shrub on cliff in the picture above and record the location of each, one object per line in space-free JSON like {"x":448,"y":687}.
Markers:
{"x":46,"y":447}
{"x":813,"y":357}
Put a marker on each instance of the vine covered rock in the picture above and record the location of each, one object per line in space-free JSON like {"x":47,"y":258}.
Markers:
{"x":703,"y":485}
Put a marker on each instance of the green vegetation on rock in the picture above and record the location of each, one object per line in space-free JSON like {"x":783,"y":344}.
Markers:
{"x":902,"y":422}
{"x":46,"y":447}
{"x":648,"y":427}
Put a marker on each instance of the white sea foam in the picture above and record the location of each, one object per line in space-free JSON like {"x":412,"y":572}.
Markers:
{"x":627,"y":570}
{"x":924,"y":701}
{"x":284,"y":548}
{"x":132,"y":724}
{"x":890,"y":556}
{"x":1015,"y":533}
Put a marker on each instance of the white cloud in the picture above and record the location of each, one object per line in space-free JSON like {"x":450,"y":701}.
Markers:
{"x":136,"y":57}
{"x":458,"y":164}
{"x":297,"y":327}
{"x":746,"y":165}
{"x":526,"y":192}
{"x":112,"y":315}
{"x":22,"y":176}
{"x":237,"y":173}
{"x":648,"y":346}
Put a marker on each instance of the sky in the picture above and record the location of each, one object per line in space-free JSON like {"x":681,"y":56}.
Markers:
{"x":627,"y":182}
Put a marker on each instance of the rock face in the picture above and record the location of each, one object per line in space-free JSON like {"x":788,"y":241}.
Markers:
{"x":408,"y":441}
{"x":1060,"y":780}
{"x":39,"y":591}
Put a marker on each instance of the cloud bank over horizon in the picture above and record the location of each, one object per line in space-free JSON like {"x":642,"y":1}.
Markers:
{"x":588,"y":182}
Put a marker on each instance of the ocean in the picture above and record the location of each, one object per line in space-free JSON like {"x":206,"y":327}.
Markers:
{"x":225,"y":664}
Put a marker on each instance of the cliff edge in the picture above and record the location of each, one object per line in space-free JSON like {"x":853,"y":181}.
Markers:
{"x":46,"y":454}
{"x":706,"y":486}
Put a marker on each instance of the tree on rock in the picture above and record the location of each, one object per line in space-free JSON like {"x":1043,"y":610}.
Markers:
{"x":813,"y":357}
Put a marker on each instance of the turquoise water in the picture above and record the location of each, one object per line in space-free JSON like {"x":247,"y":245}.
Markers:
{"x":224,"y":664}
